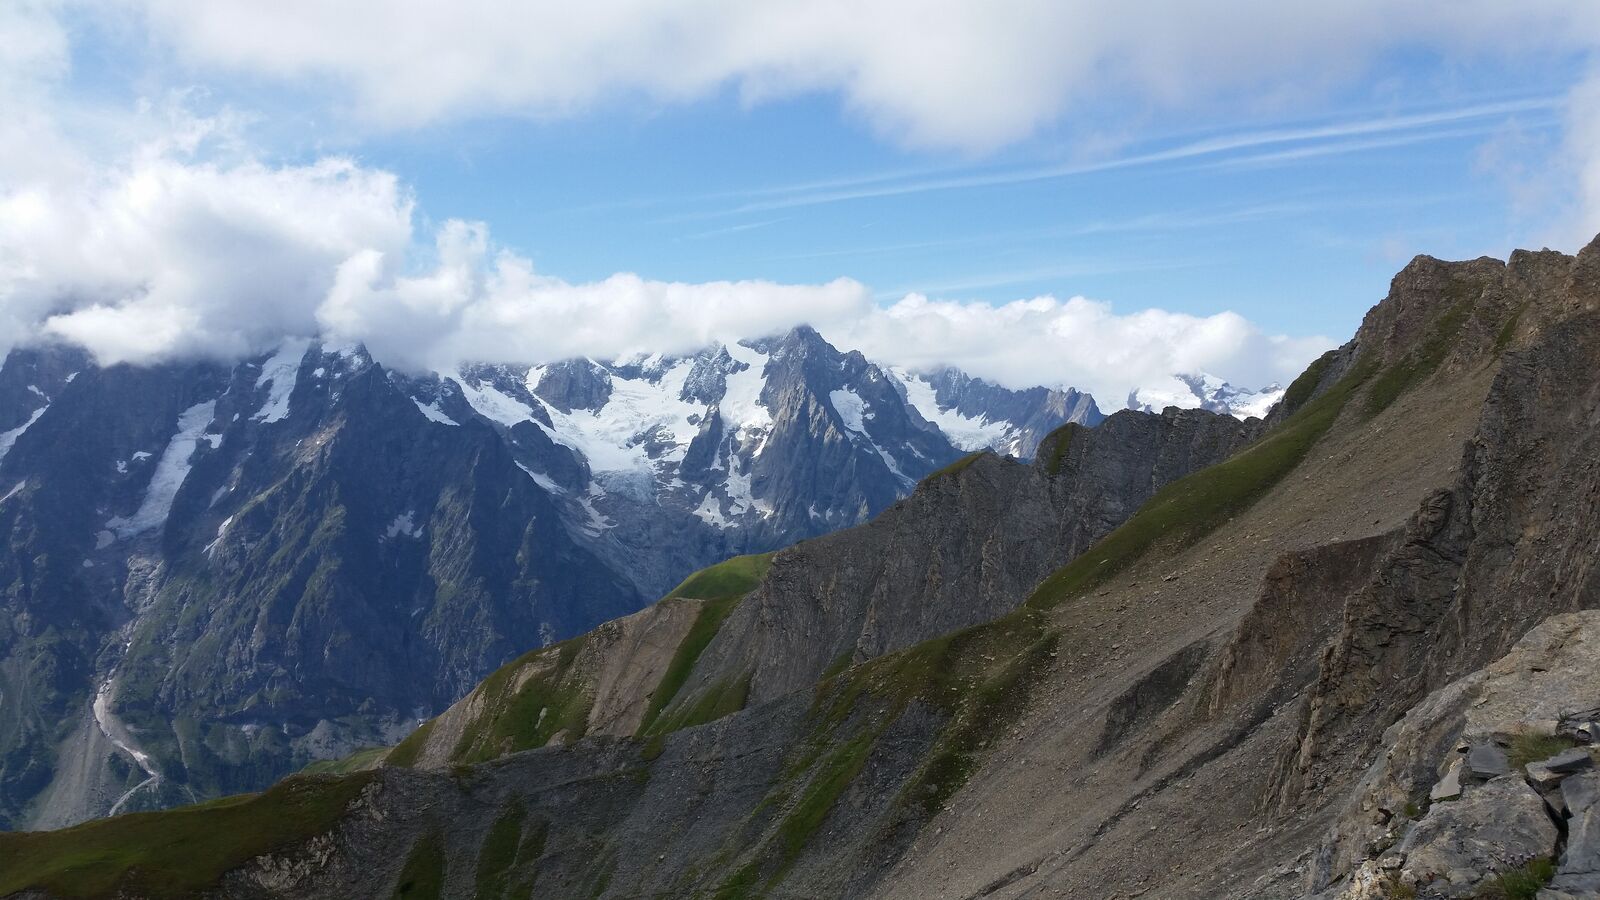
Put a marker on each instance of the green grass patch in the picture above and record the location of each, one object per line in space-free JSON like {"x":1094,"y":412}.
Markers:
{"x":359,"y":761}
{"x":424,"y":873}
{"x":987,"y":711}
{"x":1300,"y":390}
{"x":723,"y":697}
{"x":1508,"y":331}
{"x":1531,"y":747}
{"x":1188,"y":509}
{"x":1426,"y":359}
{"x":405,"y":754}
{"x":176,"y":852}
{"x":554,"y":700}
{"x":1522,"y":883}
{"x":978,"y":676}
{"x":1053,"y":449}
{"x":955,"y":467}
{"x":705,"y":627}
{"x":834,"y":774}
{"x":734,"y":577}
{"x":499,"y":853}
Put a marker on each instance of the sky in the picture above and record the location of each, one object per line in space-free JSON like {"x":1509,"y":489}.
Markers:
{"x":1075,"y":192}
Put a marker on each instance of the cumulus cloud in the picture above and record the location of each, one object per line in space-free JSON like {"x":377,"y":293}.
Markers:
{"x":164,"y":256}
{"x":1581,"y":153}
{"x":972,"y":74}
{"x":178,"y":250}
{"x":169,"y":255}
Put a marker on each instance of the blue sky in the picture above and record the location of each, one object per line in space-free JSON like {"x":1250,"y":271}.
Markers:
{"x":1285,"y":187}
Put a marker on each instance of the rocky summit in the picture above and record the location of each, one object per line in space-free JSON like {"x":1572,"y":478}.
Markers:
{"x":1344,"y":651}
{"x":214,"y":574}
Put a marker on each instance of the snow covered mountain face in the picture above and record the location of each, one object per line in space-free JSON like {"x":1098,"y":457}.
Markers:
{"x":1205,"y":392}
{"x":212,"y":574}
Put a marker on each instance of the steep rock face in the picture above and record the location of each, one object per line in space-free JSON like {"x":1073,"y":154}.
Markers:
{"x":967,"y":547}
{"x":216,"y":575}
{"x":980,"y":415}
{"x":1511,"y":542}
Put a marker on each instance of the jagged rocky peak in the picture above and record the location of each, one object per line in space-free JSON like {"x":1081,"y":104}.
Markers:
{"x":977,"y":414}
{"x":573,"y":384}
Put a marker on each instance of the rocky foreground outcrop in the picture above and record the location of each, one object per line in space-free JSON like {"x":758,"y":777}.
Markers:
{"x":1490,"y":776}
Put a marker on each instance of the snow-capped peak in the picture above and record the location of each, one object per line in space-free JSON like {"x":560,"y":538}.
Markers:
{"x":1205,"y":391}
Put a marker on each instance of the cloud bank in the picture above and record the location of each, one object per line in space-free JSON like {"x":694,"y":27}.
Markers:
{"x":971,"y":74}
{"x":173,"y":254}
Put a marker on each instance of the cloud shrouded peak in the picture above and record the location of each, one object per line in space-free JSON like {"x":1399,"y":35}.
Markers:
{"x":169,"y":255}
{"x":957,"y":73}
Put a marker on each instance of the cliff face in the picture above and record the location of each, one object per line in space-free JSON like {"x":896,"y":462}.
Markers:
{"x":1196,"y":702}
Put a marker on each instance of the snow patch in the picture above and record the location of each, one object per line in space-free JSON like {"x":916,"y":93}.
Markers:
{"x":405,"y":524}
{"x":965,"y":432}
{"x":279,"y":374}
{"x":8,"y":438}
{"x":494,"y":404}
{"x":742,"y":411}
{"x":171,"y":470}
{"x":221,"y":531}
{"x":431,"y":410}
{"x":639,"y":411}
{"x":851,"y":408}
{"x":15,"y":491}
{"x":542,"y":480}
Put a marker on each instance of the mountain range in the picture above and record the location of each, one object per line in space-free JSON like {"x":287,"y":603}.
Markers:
{"x":215,"y":573}
{"x":1342,"y":651}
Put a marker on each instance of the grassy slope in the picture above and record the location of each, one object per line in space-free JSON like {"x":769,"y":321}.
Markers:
{"x":176,"y":852}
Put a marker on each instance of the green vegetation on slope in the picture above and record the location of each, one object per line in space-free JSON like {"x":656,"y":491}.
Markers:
{"x":735,"y":577}
{"x":359,"y":761}
{"x":1301,"y":389}
{"x":979,"y":678}
{"x":552,"y":699}
{"x":499,"y":853}
{"x":954,"y":467}
{"x":1054,"y":447}
{"x":177,"y":852}
{"x":1191,"y":507}
{"x":1426,"y":359}
{"x":705,"y":627}
{"x":424,"y":874}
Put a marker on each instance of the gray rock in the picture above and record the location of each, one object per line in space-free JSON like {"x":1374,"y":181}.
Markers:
{"x":1449,"y":787}
{"x":1498,"y":826}
{"x":1579,"y":872}
{"x":1569,"y":762}
{"x":1486,"y":761}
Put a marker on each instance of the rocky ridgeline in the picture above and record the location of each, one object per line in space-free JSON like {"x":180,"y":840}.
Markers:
{"x":1351,"y":659}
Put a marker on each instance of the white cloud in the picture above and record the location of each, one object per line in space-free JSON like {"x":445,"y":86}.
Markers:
{"x":168,"y":254}
{"x":972,"y":74}
{"x":1582,"y":159}
{"x":164,"y":255}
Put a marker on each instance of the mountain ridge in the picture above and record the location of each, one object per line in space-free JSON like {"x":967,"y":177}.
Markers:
{"x":1165,"y":684}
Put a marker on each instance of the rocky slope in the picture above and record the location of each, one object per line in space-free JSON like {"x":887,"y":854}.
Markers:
{"x":1200,"y":704}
